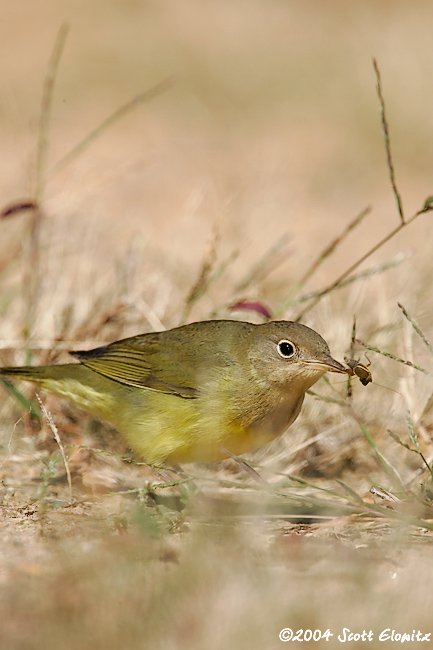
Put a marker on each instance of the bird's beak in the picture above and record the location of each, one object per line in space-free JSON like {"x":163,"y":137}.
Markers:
{"x":327,"y":363}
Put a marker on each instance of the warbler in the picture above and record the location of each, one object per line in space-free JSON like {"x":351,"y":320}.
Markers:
{"x":190,"y":393}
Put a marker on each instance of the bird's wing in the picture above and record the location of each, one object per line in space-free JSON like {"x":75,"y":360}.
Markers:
{"x":150,"y":361}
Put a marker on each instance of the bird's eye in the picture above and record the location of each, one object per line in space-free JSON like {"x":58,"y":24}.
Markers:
{"x":286,"y":349}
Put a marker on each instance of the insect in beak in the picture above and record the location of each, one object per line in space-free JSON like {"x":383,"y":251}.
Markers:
{"x":358,"y":369}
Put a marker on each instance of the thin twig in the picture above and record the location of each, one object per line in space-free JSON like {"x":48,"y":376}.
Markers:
{"x":326,"y":398}
{"x":386,"y":464}
{"x":204,"y":276}
{"x":330,"y":248}
{"x":47,"y":104}
{"x":409,"y":448}
{"x":118,"y":114}
{"x":427,"y":207}
{"x":353,"y":336}
{"x":351,"y":352}
{"x":358,"y":262}
{"x":387,"y":143}
{"x":59,"y":442}
{"x":31,"y":276}
{"x":271,"y":259}
{"x":414,"y":437}
{"x":373,"y":270}
{"x":393,"y":356}
{"x":223,"y":266}
{"x":323,"y":255}
{"x":416,"y":328}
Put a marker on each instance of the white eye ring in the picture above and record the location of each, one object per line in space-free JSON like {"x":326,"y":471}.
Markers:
{"x":286,"y":349}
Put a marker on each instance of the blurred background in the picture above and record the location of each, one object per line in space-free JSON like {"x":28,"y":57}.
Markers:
{"x":270,"y":135}
{"x":272,"y":128}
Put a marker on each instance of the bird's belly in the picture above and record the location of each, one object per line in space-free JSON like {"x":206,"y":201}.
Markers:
{"x":161,"y":427}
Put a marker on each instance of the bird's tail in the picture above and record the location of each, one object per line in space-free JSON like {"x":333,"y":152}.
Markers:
{"x":36,"y":374}
{"x":72,"y":381}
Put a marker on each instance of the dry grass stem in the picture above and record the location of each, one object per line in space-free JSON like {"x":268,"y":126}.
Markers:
{"x":204,"y":278}
{"x":392,"y":356}
{"x":428,"y":205}
{"x":416,"y":328}
{"x":111,"y":120}
{"x":323,"y":255}
{"x":356,"y":277}
{"x":53,"y":428}
{"x":46,"y":110}
{"x":358,"y":262}
{"x":32,"y":274}
{"x":415,"y":450}
{"x":271,"y":260}
{"x":387,"y":142}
